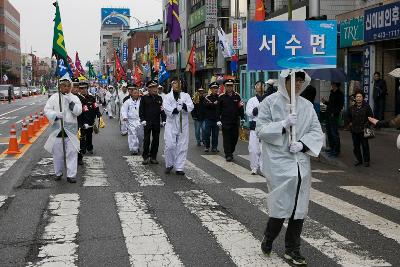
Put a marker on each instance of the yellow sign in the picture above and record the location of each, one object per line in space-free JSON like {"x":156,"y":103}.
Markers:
{"x":152,"y":53}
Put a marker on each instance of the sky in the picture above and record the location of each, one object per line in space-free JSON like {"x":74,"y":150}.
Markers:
{"x":81,"y":23}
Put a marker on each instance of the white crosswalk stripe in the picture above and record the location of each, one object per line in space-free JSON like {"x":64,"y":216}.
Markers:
{"x":247,"y":157}
{"x":365,"y":218}
{"x":146,"y":241}
{"x":231,"y":235}
{"x":235,"y":169}
{"x":199,"y":176}
{"x":44,"y":167}
{"x":6,"y":164}
{"x":2,"y":200}
{"x":59,"y":240}
{"x":333,"y":245}
{"x":143,"y":175}
{"x":94,"y":174}
{"x":374,"y":195}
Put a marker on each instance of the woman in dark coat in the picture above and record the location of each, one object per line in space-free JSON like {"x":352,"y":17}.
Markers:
{"x":358,"y":119}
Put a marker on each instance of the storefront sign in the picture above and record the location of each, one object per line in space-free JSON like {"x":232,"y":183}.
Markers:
{"x":125,"y":53}
{"x":237,"y":34}
{"x":209,"y":51}
{"x":278,"y":45}
{"x":171,"y":62}
{"x":382,"y":23}
{"x":197,"y":17}
{"x":352,"y":32}
{"x":368,"y":71}
{"x":211,"y":12}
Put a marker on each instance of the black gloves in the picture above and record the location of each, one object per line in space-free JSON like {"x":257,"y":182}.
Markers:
{"x":71,"y":105}
{"x":184,"y":107}
{"x":175,"y":111}
{"x":255,"y":112}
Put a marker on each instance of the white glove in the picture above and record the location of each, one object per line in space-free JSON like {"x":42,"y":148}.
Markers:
{"x":295,"y":147}
{"x":219,"y":124}
{"x":67,"y":98}
{"x":163,"y":124}
{"x":179,"y":108}
{"x":242,"y":122}
{"x":290,"y":121}
{"x":144,"y":123}
{"x":86,"y":126}
{"x":59,"y":115}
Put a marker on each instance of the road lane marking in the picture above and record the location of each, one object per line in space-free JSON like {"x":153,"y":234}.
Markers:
{"x":146,"y":241}
{"x":247,"y":157}
{"x":59,"y":240}
{"x":235,"y":169}
{"x":327,"y":171}
{"x":198,"y":176}
{"x":362,"y":217}
{"x":333,"y":245}
{"x":6,"y":164}
{"x":233,"y":237}
{"x":1,"y":115}
{"x":94,"y":174}
{"x":142,"y":174}
{"x":374,"y":195}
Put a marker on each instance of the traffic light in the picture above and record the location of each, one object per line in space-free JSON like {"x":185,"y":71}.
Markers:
{"x":323,"y":17}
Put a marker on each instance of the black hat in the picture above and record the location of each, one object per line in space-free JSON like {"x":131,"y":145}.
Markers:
{"x":174,"y":79}
{"x":259,"y":81}
{"x":151,"y":83}
{"x":83,"y":85}
{"x":75,"y":81}
{"x":229,"y":81}
{"x":213,"y":85}
{"x":132,"y":86}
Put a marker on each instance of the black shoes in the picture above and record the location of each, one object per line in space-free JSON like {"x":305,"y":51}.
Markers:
{"x":357,"y":163}
{"x":366,"y":164}
{"x":266,"y":247}
{"x":146,"y":161}
{"x":295,"y":257}
{"x":180,"y":173}
{"x":206,"y":150}
{"x":71,"y":180}
{"x":90,"y":152}
{"x":80,"y":162}
{"x":214,"y":150}
{"x":153,"y":161}
{"x":168,"y":169}
{"x":134,"y":153}
{"x":229,"y":158}
{"x":58,"y":178}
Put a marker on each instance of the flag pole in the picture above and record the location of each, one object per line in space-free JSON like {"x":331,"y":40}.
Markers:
{"x":62,"y":130}
{"x":292,"y":136}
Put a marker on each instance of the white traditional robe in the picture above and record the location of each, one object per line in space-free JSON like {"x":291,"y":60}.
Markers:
{"x":176,"y":137}
{"x":280,"y":166}
{"x":254,"y":142}
{"x":120,"y":100}
{"x":54,"y":144}
{"x":130,"y":111}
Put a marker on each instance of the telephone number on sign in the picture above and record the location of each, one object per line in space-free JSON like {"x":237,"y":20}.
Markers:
{"x":387,"y":34}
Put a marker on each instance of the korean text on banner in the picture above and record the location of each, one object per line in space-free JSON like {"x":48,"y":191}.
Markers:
{"x":278,"y":45}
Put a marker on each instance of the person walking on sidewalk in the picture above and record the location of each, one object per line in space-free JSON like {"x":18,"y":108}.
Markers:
{"x":177,"y":106}
{"x":252,"y":114}
{"x":71,"y":109}
{"x":152,"y":116}
{"x":198,"y":115}
{"x":379,"y":94}
{"x":358,"y":119}
{"x":211,"y":128}
{"x":333,"y":110}
{"x":287,"y":165}
{"x":231,"y":115}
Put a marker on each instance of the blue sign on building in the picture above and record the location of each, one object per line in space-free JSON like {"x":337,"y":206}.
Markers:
{"x":382,"y":23}
{"x":115,"y":17}
{"x":125,"y":53}
{"x":278,"y":45}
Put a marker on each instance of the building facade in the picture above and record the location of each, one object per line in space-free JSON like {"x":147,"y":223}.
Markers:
{"x":10,"y":51}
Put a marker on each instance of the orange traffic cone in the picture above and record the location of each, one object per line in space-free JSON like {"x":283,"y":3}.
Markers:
{"x":31,"y":128}
{"x":24,"y":134}
{"x":36,"y":123}
{"x":13,"y":143}
{"x":45,"y":118}
{"x":41,"y":119}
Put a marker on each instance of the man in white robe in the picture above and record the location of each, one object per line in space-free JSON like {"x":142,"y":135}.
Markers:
{"x":252,"y":114}
{"x":130,"y":115}
{"x":110,"y":100}
{"x":71,"y":108}
{"x":177,"y":106}
{"x":287,"y":164}
{"x":120,"y":101}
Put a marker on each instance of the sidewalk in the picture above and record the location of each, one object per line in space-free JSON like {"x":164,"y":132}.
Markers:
{"x":385,"y":157}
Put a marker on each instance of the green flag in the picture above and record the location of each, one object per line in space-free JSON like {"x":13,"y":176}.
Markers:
{"x":59,"y":50}
{"x":92,"y":73}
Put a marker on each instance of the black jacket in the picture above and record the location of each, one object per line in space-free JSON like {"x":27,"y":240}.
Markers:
{"x":81,"y":117}
{"x":150,"y":110}
{"x":379,"y":90}
{"x":230,"y":108}
{"x":309,"y":93}
{"x":335,"y":103}
{"x":358,"y":117}
{"x":270,"y":90}
{"x":90,"y":110}
{"x":211,"y":109}
{"x":199,"y":109}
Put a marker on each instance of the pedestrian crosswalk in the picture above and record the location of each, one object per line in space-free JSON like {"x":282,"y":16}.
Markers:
{"x":147,"y":242}
{"x":5,"y":165}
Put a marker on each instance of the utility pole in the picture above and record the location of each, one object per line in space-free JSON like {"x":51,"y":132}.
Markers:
{"x":237,"y":16}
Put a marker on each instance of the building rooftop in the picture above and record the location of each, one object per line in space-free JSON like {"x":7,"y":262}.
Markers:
{"x":151,"y":28}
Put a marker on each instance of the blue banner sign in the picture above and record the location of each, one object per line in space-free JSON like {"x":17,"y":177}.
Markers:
{"x":278,"y":45}
{"x":125,"y":53}
{"x":382,"y":23}
{"x":115,"y":17}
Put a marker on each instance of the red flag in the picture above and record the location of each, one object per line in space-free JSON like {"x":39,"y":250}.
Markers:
{"x":119,"y":71}
{"x":72,"y":67}
{"x":78,"y":65}
{"x":191,"y":64}
{"x":138,"y":76}
{"x":156,"y":64}
{"x":260,"y":11}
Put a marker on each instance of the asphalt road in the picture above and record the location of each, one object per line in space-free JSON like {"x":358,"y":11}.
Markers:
{"x":123,"y":214}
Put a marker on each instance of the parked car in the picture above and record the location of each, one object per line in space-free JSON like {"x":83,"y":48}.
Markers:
{"x":25,"y":91}
{"x":34,"y":90}
{"x":17,"y":92}
{"x":4,"y":91}
{"x":52,"y":91}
